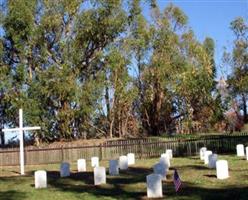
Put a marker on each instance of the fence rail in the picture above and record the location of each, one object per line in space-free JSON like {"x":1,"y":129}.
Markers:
{"x":143,"y":148}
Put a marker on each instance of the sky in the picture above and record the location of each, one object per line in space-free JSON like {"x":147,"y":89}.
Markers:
{"x":211,"y":18}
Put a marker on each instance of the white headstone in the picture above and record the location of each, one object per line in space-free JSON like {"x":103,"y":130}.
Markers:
{"x":222,"y":169}
{"x":40,"y":177}
{"x":160,"y":169}
{"x":113,"y":167}
{"x":94,"y":162}
{"x":164,"y":159}
{"x":246,"y":149}
{"x":154,"y":186}
{"x":123,"y":162}
{"x":206,"y":157}
{"x":212,"y":160}
{"x":169,"y":153}
{"x":240,"y":150}
{"x":64,"y":169}
{"x":99,"y":175}
{"x":202,"y":152}
{"x":131,"y":158}
{"x":81,"y":165}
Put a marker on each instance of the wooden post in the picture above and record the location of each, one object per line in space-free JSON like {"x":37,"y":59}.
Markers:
{"x":141,"y":149}
{"x":100,"y":153}
{"x":62,"y":153}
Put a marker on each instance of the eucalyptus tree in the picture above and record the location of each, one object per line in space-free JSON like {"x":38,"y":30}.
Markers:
{"x":139,"y":45}
{"x":179,"y":78}
{"x":238,"y":60}
{"x":196,"y":84}
{"x":160,"y":74}
{"x":52,"y":50}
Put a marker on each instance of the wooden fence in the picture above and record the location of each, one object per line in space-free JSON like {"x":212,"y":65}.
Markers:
{"x":143,"y":148}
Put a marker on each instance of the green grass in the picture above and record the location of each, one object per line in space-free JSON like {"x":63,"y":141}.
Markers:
{"x":199,"y":182}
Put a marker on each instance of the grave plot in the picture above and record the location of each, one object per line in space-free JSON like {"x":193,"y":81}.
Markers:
{"x":198,"y":181}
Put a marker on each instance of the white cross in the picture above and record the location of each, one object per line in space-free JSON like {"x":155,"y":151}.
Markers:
{"x":21,"y":129}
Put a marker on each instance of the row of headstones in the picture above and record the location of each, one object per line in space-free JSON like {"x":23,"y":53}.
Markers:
{"x":154,"y":181}
{"x":212,"y":161}
{"x":99,"y":172}
{"x":221,"y":165}
{"x":160,"y":170}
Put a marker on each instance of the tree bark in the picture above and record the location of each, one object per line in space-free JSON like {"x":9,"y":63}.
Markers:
{"x":2,"y":138}
{"x":244,"y":108}
{"x":156,"y":111}
{"x":111,"y":128}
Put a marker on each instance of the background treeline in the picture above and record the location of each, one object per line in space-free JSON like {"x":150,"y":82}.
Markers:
{"x":100,"y":68}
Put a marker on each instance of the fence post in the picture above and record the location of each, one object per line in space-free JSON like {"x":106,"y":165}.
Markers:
{"x":62,"y":153}
{"x":25,"y":156}
{"x":100,"y":153}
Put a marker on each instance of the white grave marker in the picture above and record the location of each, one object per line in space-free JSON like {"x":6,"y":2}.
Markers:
{"x":21,"y":130}
{"x":94,"y":162}
{"x":240,"y":150}
{"x":165,"y":160}
{"x":131,"y":158}
{"x":169,"y":153}
{"x":202,"y":152}
{"x":160,"y":169}
{"x":206,"y":157}
{"x":246,"y":149}
{"x":113,"y":167}
{"x":64,"y":169}
{"x":40,"y":179}
{"x":99,"y":175}
{"x":212,"y":160}
{"x":154,"y":186}
{"x":222,"y":169}
{"x":123,"y":162}
{"x":81,"y":165}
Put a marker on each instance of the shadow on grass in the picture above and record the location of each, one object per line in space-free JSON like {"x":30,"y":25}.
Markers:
{"x":210,"y":175}
{"x":114,"y":188}
{"x":187,"y":191}
{"x":124,"y":186}
{"x":86,"y":177}
{"x":196,"y":167}
{"x":130,"y":185}
{"x":115,"y":191}
{"x":12,"y":195}
{"x":191,"y":191}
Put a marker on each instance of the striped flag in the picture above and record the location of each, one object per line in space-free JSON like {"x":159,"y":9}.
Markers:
{"x":176,"y":180}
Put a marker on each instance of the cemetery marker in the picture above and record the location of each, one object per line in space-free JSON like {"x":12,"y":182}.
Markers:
{"x":21,"y":129}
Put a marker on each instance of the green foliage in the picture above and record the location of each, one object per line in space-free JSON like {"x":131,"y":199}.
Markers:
{"x":97,"y":68}
{"x":238,"y":60}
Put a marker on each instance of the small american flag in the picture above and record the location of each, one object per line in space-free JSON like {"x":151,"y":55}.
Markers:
{"x":176,"y":180}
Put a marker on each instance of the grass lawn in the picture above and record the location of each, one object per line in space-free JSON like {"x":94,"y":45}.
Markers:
{"x":199,"y":182}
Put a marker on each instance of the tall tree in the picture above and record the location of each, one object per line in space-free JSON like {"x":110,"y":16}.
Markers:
{"x":238,"y":80}
{"x":139,"y":43}
{"x":52,"y":50}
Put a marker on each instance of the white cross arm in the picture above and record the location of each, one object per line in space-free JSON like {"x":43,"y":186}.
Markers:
{"x":18,"y":129}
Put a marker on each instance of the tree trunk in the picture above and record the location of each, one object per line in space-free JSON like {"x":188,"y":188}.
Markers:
{"x":107,"y":102}
{"x":111,"y":129}
{"x":156,"y":111}
{"x":244,"y":108}
{"x":2,"y":138}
